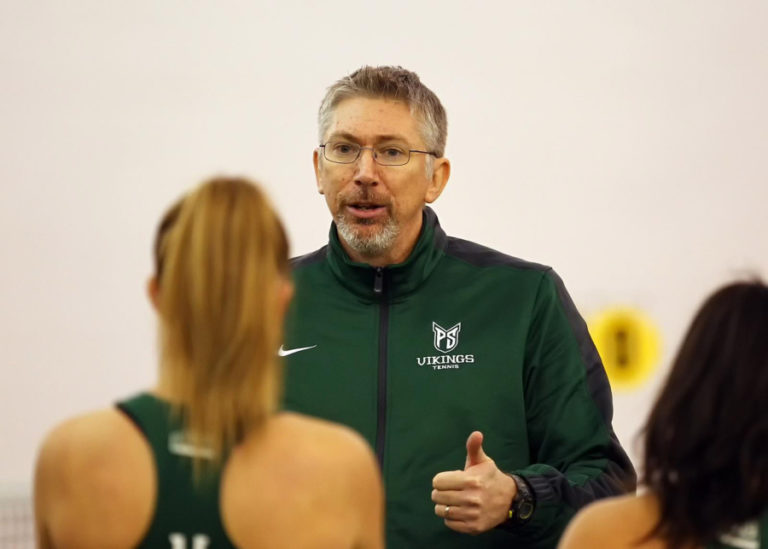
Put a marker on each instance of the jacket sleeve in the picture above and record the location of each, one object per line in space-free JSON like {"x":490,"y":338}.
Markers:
{"x":575,"y":455}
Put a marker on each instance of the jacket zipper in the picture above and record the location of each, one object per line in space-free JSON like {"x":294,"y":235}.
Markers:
{"x":381,"y":418}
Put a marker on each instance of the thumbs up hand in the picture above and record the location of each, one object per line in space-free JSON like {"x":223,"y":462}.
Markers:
{"x":475,"y":453}
{"x":476,"y":499}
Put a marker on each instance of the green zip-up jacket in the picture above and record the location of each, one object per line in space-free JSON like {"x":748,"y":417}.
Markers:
{"x":458,"y":338}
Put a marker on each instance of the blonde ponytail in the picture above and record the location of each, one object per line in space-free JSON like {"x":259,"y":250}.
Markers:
{"x":222,"y":262}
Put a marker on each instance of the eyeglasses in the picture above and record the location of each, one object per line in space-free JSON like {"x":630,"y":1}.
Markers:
{"x":343,"y":152}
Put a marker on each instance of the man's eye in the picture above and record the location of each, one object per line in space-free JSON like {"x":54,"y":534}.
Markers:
{"x":343,"y":148}
{"x":392,"y":152}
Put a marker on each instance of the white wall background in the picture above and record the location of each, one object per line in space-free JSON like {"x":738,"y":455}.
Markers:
{"x":623,"y":142}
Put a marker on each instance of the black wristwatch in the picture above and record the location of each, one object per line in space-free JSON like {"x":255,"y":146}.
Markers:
{"x":523,"y":504}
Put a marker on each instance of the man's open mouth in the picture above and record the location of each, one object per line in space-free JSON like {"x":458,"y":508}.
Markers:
{"x":365,"y":210}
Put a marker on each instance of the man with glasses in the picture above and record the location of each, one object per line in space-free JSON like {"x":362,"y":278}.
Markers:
{"x":421,"y":341}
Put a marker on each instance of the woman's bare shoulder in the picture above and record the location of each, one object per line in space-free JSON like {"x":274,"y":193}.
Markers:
{"x":322,"y":440}
{"x":318,"y":470}
{"x":88,"y":439}
{"x":306,"y":449}
{"x":613,"y":522}
{"x":86,"y":462}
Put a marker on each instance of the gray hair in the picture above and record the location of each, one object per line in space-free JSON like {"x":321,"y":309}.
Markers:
{"x":390,"y":83}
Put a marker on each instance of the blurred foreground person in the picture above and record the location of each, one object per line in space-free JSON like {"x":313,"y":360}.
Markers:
{"x":203,"y":459}
{"x":706,"y":441}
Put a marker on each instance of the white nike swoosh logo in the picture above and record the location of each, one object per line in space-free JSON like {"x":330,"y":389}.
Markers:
{"x":177,"y":445}
{"x":286,"y":352}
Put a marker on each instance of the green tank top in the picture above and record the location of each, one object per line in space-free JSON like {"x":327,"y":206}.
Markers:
{"x":187,"y":514}
{"x":753,"y":535}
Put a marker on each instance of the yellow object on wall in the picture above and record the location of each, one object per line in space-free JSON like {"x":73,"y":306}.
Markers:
{"x":629,"y":344}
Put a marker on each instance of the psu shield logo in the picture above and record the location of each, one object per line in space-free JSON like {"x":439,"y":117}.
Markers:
{"x":446,"y":340}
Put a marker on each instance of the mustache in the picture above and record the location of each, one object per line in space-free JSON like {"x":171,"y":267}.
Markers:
{"x":363,"y":195}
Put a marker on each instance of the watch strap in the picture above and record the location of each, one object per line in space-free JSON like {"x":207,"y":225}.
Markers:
{"x":524,"y":502}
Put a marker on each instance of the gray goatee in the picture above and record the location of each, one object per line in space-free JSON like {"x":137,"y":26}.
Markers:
{"x":367,"y":245}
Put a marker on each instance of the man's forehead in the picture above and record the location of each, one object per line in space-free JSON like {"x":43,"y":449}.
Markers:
{"x":379,"y":119}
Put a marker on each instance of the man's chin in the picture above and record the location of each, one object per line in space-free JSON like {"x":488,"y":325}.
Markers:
{"x":365,"y":222}
{"x":367,"y":236}
{"x":365,"y":231}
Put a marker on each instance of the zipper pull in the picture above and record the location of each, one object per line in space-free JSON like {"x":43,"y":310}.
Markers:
{"x":378,"y":281}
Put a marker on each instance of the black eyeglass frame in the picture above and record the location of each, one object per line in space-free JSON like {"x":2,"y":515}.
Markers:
{"x":373,"y":152}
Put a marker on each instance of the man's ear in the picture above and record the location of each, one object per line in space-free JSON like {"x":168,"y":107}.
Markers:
{"x":318,"y":168}
{"x":441,"y":171}
{"x":153,"y":292}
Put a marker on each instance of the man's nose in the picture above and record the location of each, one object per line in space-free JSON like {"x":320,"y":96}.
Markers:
{"x":366,"y":168}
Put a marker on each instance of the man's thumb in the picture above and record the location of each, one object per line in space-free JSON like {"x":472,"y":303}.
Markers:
{"x":475,"y":454}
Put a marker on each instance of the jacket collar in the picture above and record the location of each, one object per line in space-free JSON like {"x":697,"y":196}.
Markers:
{"x":394,"y":280}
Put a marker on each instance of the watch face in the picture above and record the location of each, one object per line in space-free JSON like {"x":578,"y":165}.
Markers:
{"x":525,"y":510}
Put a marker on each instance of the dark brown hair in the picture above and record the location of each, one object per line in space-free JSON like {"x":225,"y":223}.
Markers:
{"x":706,"y":440}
